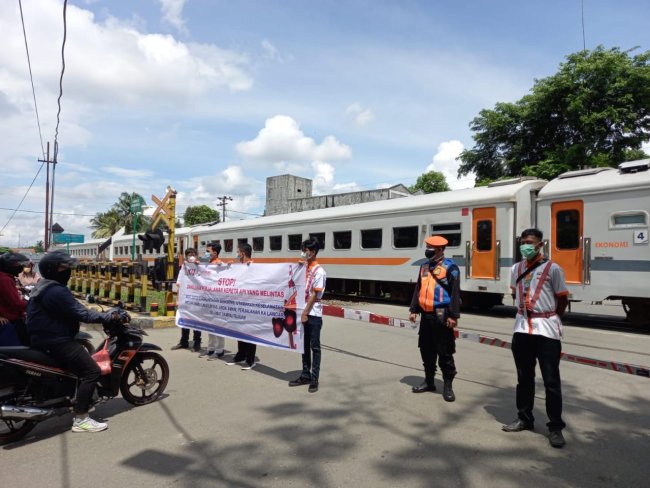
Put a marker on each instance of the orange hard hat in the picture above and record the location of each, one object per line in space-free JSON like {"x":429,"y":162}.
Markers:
{"x":436,"y":241}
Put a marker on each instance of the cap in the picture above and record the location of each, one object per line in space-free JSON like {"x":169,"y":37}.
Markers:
{"x":436,"y":241}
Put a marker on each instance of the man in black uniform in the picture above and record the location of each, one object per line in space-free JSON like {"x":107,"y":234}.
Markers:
{"x":437,"y":298}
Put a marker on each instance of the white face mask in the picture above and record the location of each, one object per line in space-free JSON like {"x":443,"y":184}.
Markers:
{"x":207,"y":254}
{"x":191,"y":259}
{"x":304,"y":255}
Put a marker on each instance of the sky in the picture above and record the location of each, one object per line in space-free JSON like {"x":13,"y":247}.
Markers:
{"x":212,"y":97}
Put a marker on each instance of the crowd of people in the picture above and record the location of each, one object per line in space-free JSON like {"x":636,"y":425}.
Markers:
{"x":51,"y":321}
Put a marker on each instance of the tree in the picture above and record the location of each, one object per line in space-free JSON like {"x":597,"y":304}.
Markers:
{"x":38,"y":247}
{"x":595,"y":111}
{"x":200,"y":214}
{"x":431,"y":182}
{"x":119,"y":215}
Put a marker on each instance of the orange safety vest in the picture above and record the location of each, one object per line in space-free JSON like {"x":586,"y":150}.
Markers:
{"x":432,"y":292}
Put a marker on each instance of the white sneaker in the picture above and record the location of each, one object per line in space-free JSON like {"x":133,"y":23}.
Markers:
{"x":233,"y":361}
{"x":88,"y":425}
{"x":249,"y":366}
{"x":206,"y":353}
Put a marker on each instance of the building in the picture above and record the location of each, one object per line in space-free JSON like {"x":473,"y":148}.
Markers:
{"x":288,"y":194}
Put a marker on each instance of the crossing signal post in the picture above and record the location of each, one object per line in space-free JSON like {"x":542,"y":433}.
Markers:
{"x":166,"y":212}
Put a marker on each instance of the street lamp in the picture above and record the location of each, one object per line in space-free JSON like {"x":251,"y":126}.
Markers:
{"x":136,"y":209}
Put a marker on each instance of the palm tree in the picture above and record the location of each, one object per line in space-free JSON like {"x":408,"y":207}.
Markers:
{"x":119,"y":215}
{"x":105,"y":224}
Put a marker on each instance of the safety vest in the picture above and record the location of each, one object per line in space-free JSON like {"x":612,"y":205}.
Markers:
{"x":432,"y":286}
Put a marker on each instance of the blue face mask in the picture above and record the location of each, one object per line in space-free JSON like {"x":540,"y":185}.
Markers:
{"x":528,"y":251}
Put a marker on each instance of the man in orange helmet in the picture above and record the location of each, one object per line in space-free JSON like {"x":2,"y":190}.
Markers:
{"x":437,"y":299}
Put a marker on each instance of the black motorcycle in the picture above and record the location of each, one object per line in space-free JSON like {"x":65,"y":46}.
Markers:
{"x":33,"y":386}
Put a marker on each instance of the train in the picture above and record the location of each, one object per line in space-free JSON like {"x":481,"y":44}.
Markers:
{"x":595,"y":223}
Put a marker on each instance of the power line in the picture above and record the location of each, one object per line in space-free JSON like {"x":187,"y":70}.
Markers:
{"x":22,"y":200}
{"x":41,"y":212}
{"x":29,"y":64}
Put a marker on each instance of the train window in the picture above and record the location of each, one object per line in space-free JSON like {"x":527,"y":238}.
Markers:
{"x":258,"y":244}
{"x":405,"y":236}
{"x":242,"y":241}
{"x":629,"y":219}
{"x":371,"y":238}
{"x":567,"y":224}
{"x":275,"y":243}
{"x":227,"y":245}
{"x":320,"y":237}
{"x":484,"y":235}
{"x":343,"y":239}
{"x":295,"y":242}
{"x":451,"y":232}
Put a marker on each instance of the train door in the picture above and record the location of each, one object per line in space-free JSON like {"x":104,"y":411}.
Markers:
{"x":484,"y":249}
{"x":566,"y":238}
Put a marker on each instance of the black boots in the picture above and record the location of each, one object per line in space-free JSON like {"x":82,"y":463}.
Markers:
{"x":427,"y":385}
{"x":447,"y":392}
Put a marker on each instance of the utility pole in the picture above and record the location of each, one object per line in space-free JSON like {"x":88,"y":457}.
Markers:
{"x":46,"y":239}
{"x":222,"y":202}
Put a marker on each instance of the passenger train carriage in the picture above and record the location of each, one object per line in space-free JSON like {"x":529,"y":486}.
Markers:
{"x":595,"y":224}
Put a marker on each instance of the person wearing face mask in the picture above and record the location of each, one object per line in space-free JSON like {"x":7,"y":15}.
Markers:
{"x":216,"y":343}
{"x":437,"y":299}
{"x":12,"y":304}
{"x":312,"y":317}
{"x":245,"y":350}
{"x":192,"y":259}
{"x":53,"y":317}
{"x":28,"y":277}
{"x":542,"y":297}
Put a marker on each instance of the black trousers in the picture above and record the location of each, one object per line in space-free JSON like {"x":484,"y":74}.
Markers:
{"x":437,"y":342}
{"x":185,"y":337}
{"x":527,"y":350}
{"x":74,"y":357}
{"x":246,"y":351}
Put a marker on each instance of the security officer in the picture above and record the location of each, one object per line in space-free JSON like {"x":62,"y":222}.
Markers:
{"x":437,"y":298}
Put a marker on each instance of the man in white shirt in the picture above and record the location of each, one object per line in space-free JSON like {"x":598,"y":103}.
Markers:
{"x":542,"y":298}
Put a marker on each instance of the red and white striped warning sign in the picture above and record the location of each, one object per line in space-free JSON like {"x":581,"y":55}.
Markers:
{"x":373,"y":318}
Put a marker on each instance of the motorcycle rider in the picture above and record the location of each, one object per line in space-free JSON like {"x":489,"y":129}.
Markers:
{"x":53,"y":316}
{"x":12,"y":304}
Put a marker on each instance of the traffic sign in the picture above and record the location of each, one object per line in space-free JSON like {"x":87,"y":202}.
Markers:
{"x":68,"y":238}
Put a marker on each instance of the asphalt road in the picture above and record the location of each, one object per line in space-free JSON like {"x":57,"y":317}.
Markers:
{"x":221,"y":426}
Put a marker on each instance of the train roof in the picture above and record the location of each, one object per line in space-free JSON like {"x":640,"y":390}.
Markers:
{"x":500,"y":192}
{"x":633,"y":175}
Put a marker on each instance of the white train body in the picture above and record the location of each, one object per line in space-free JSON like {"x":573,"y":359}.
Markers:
{"x":595,"y":223}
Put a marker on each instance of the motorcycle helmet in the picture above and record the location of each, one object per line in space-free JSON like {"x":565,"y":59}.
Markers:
{"x":12,"y":263}
{"x":57,"y":266}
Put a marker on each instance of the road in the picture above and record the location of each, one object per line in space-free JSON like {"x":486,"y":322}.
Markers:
{"x":221,"y":426}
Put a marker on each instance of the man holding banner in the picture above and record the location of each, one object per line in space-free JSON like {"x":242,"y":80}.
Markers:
{"x":312,"y":317}
{"x":255,"y":304}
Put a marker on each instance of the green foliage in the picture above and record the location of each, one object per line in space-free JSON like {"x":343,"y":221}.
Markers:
{"x":200,"y":214}
{"x":119,"y":215}
{"x":431,"y":182}
{"x":595,"y":111}
{"x":38,"y":247}
{"x":4,"y":249}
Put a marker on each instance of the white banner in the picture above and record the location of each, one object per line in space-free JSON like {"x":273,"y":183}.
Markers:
{"x":258,"y":303}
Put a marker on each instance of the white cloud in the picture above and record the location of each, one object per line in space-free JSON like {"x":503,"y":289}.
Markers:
{"x":445,"y":162}
{"x":284,"y":145}
{"x":360,"y":115}
{"x":172,"y":11}
{"x":128,"y":173}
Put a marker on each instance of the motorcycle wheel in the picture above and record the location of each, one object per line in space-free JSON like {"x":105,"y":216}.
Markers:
{"x":14,"y":430}
{"x":145,"y":378}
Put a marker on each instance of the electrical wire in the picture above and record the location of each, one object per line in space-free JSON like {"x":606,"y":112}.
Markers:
{"x":31,"y":78}
{"x":42,"y":212}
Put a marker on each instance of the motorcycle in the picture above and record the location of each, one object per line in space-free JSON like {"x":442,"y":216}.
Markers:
{"x":34,"y":387}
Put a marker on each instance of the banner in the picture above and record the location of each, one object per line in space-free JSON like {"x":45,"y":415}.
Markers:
{"x":258,"y":303}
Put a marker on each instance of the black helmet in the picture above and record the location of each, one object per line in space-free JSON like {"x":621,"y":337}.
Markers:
{"x":50,"y":263}
{"x":13,"y":263}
